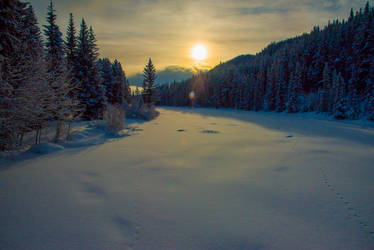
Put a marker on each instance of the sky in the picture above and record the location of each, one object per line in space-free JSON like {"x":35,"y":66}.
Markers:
{"x":167,"y":30}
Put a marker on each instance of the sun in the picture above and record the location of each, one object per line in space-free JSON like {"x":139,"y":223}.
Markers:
{"x":199,"y":52}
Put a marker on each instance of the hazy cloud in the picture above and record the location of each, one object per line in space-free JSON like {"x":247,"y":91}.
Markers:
{"x":166,"y":30}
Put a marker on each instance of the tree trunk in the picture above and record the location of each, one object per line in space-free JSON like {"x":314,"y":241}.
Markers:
{"x":40,"y":135}
{"x":21,"y":139}
{"x":37,"y":136}
{"x":68,"y":137}
{"x":58,"y":132}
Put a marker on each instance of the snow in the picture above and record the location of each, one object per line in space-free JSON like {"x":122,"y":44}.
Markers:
{"x":199,"y":179}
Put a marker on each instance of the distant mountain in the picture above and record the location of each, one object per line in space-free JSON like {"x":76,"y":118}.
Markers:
{"x":167,"y":75}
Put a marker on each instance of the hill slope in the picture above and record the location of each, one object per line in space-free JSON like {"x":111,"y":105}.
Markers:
{"x":329,"y":70}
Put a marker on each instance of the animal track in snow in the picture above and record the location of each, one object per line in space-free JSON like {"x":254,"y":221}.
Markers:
{"x":354,"y":213}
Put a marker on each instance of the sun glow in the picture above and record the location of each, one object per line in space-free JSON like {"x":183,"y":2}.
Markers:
{"x":199,"y":52}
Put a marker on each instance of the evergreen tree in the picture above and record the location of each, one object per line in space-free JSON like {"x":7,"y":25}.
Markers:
{"x":149,"y":74}
{"x":119,"y":83}
{"x":25,"y":95}
{"x":295,"y":90}
{"x":94,"y":50}
{"x":54,"y":43}
{"x":325,"y":89}
{"x":340,"y":108}
{"x":64,"y":107}
{"x":92,"y":95}
{"x":106,"y":74}
{"x":71,"y":56}
{"x":71,"y":43}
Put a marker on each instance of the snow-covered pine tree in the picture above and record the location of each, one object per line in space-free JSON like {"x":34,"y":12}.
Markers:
{"x":92,"y":94}
{"x":106,"y":74}
{"x":64,"y":106}
{"x":94,"y":50}
{"x":36,"y":88}
{"x":340,"y":107}
{"x":54,"y":44}
{"x":370,"y":94}
{"x":281,"y":97}
{"x":352,"y":96}
{"x":71,"y":43}
{"x":295,"y":90}
{"x":270,"y":90}
{"x":71,"y":55}
{"x":363,"y":46}
{"x":325,"y":90}
{"x":119,"y":84}
{"x":292,"y":104}
{"x":370,"y":109}
{"x":11,"y":13}
{"x":24,"y":90}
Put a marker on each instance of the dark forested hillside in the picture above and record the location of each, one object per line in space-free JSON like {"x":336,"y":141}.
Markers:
{"x":330,"y":70}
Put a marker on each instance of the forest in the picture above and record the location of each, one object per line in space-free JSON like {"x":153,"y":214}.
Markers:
{"x":330,"y":70}
{"x":54,"y":79}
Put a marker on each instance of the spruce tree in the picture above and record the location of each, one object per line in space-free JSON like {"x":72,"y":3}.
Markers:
{"x":325,"y":90}
{"x":71,"y":43}
{"x":71,"y":55}
{"x":340,"y":107}
{"x":54,"y":43}
{"x":92,"y":95}
{"x":25,"y":95}
{"x":120,"y":92}
{"x":149,"y":74}
{"x":295,"y":90}
{"x":106,"y":77}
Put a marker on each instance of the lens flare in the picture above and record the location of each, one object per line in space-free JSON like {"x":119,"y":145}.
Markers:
{"x":192,"y":95}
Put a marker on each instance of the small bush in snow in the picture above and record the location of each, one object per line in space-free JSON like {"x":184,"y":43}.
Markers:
{"x":140,"y":110}
{"x":114,"y":117}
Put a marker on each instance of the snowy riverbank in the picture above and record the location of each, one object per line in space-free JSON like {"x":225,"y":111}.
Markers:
{"x":199,"y":179}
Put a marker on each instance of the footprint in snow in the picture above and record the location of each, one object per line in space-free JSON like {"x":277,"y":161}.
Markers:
{"x":91,"y":174}
{"x":281,"y":169}
{"x":93,"y":189}
{"x":129,"y":230}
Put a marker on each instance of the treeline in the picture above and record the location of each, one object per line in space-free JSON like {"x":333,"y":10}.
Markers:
{"x":57,"y":80}
{"x":329,"y":70}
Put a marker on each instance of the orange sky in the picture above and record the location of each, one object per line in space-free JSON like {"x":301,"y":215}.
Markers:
{"x":166,"y":30}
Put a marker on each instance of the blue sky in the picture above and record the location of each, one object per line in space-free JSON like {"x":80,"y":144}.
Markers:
{"x":167,"y":30}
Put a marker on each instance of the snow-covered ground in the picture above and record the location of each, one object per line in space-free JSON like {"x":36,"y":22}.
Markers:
{"x":199,"y":179}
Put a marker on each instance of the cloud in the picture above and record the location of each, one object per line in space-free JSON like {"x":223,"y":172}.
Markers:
{"x":166,"y":30}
